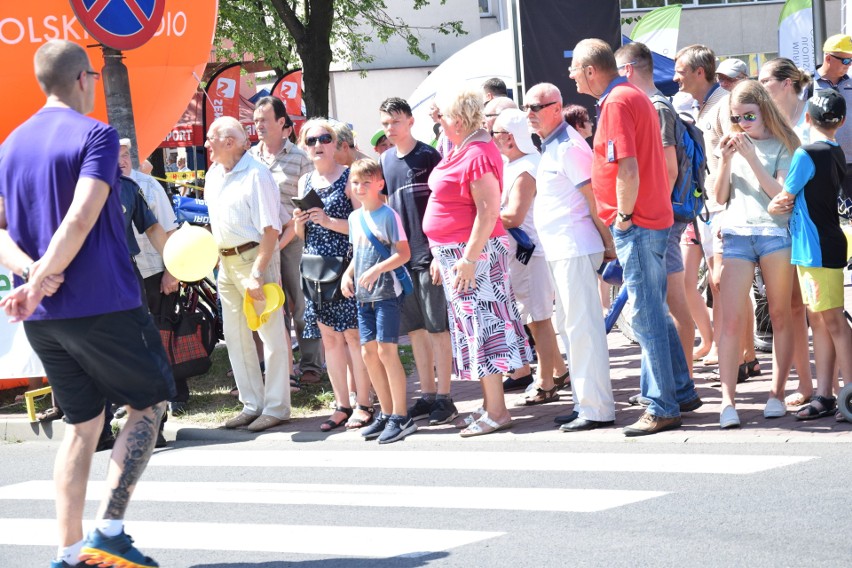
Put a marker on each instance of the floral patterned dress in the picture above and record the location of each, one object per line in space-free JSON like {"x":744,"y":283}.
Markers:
{"x":341,"y":314}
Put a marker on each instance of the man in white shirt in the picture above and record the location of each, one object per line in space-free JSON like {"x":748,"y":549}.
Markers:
{"x":575,"y":243}
{"x":243,"y":202}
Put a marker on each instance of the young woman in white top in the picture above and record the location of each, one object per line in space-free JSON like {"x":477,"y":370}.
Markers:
{"x":755,"y":157}
{"x":785,"y":83}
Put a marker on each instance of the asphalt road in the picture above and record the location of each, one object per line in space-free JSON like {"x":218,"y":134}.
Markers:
{"x":272,"y":503}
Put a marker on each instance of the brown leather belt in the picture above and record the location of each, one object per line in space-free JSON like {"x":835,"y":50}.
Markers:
{"x":239,"y":249}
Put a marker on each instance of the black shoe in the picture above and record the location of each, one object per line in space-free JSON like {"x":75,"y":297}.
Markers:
{"x":443,"y":411}
{"x":510,"y":384}
{"x":639,"y":400}
{"x":691,"y":405}
{"x":566,"y":418}
{"x":580,"y":424}
{"x":421,"y":409}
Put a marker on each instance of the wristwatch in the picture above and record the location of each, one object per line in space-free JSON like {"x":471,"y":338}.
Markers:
{"x":256,"y":274}
{"x":624,"y":217}
{"x":26,"y":273}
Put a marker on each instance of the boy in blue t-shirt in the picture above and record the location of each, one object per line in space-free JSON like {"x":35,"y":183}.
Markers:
{"x":371,"y":280}
{"x":819,"y":245}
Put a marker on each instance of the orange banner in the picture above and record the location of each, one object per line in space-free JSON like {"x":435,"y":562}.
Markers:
{"x":161,"y":71}
{"x":223,"y":94}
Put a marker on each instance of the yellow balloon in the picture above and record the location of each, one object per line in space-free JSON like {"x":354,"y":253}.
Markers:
{"x":847,"y":230}
{"x":190,"y":253}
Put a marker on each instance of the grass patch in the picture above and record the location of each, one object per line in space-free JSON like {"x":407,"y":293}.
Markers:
{"x":210,"y":401}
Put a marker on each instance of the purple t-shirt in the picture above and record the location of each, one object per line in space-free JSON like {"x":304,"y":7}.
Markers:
{"x":40,"y":163}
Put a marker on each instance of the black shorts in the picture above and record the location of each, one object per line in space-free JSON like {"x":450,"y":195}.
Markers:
{"x":426,"y":307}
{"x":117,"y":356}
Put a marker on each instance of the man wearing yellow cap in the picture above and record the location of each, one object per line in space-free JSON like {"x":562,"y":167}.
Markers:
{"x":832,"y":74}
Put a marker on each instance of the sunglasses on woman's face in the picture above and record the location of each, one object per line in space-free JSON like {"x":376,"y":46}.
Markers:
{"x":748,"y":117}
{"x":322,"y":139}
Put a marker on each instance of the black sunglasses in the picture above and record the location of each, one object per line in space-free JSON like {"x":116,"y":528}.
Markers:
{"x":322,"y":139}
{"x":748,"y":117}
{"x":536,"y":108}
{"x":843,"y":60}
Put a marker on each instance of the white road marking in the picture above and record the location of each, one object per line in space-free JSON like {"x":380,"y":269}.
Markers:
{"x":294,"y":539}
{"x":506,"y":461}
{"x":405,"y":496}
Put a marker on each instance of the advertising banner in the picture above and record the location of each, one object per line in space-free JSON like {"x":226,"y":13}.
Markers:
{"x":17,"y":359}
{"x":796,"y":34}
{"x":658,"y":29}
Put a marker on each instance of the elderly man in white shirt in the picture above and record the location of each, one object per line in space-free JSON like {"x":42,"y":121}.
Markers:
{"x":575,"y":242}
{"x":243,"y":202}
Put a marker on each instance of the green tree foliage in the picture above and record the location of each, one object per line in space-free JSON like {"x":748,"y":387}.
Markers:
{"x":287,"y":34}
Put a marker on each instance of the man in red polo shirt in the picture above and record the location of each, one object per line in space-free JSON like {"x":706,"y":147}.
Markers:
{"x":633,"y":196}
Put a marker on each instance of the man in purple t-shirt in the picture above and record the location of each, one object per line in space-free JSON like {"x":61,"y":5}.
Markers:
{"x":62,"y":234}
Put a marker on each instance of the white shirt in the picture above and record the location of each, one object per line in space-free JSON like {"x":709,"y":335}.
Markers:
{"x":562,"y":218}
{"x":149,"y":260}
{"x":242,"y":202}
{"x":528,"y":163}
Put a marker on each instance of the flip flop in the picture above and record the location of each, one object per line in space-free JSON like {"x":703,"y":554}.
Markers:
{"x":484,"y":426}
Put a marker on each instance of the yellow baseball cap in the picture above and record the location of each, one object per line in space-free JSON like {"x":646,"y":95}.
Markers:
{"x":274,"y":300}
{"x":840,"y":43}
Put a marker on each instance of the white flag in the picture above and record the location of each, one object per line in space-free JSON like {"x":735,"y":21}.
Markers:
{"x":796,"y":34}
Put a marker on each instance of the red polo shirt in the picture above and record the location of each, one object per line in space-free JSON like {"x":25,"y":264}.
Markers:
{"x":629,"y":127}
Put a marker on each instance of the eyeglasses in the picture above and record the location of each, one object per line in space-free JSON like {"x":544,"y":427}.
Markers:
{"x":495,"y":132}
{"x":623,"y":65}
{"x":843,"y":60}
{"x":94,"y":74}
{"x":322,"y":139}
{"x":748,"y":117}
{"x":572,"y":70}
{"x":536,"y":108}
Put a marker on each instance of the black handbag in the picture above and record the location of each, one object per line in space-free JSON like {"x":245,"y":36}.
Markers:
{"x":321,"y":277}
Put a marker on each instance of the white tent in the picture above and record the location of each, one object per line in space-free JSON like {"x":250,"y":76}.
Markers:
{"x":491,"y":56}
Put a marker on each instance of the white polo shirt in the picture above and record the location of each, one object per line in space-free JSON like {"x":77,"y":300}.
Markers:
{"x":242,"y":202}
{"x":562,"y":218}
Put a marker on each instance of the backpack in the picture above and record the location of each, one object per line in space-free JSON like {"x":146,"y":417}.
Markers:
{"x":688,"y":195}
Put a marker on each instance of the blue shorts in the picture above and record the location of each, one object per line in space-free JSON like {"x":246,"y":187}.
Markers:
{"x":379,"y":321}
{"x":674,"y":257}
{"x":753,"y":247}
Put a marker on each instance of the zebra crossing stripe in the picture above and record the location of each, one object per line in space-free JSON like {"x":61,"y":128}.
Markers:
{"x":292,"y":539}
{"x":715,"y":464}
{"x":395,"y":496}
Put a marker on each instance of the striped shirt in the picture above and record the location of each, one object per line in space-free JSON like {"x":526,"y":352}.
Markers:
{"x":287,"y":167}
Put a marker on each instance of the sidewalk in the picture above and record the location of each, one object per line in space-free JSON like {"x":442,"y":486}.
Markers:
{"x":536,"y":423}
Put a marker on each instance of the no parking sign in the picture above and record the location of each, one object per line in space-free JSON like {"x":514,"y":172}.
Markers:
{"x":120,"y":24}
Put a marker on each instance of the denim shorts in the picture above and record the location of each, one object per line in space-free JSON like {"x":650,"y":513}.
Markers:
{"x":753,"y":247}
{"x":379,"y":321}
{"x":674,"y":257}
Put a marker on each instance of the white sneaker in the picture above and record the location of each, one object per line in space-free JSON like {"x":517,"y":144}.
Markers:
{"x":774,"y":409}
{"x":729,"y":418}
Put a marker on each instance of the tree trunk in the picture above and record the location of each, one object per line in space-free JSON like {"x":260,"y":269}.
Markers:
{"x":316,"y":63}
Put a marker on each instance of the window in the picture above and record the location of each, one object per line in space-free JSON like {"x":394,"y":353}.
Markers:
{"x":485,"y":8}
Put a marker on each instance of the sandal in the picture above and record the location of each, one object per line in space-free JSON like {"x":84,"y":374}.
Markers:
{"x":753,"y":368}
{"x":819,"y":407}
{"x":355,"y":423}
{"x":743,"y":374}
{"x":796,"y":399}
{"x":563,"y":380}
{"x":484,"y":426}
{"x":330,"y":424}
{"x":539,"y":396}
{"x":51,"y":414}
{"x":463,"y":423}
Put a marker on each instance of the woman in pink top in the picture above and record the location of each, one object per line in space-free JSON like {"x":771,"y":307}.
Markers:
{"x":470,"y":246}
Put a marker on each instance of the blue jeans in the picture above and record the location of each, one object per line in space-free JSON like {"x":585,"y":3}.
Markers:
{"x":664,"y":376}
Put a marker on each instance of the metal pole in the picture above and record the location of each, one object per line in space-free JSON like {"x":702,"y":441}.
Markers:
{"x":818,"y":8}
{"x":118,"y":103}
